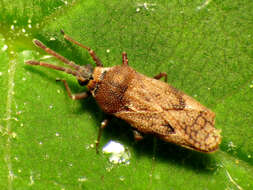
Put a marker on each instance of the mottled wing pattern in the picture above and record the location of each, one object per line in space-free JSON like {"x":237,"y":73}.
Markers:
{"x":156,"y":107}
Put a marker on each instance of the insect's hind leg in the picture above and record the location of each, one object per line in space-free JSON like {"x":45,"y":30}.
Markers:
{"x":78,"y":96}
{"x":160,"y":75}
{"x":91,"y":52}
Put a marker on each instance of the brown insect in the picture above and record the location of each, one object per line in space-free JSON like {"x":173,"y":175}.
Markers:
{"x":147,"y":104}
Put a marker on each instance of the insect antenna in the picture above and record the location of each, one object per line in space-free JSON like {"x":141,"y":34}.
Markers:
{"x":59,"y":68}
{"x":58,"y":56}
{"x":91,"y":52}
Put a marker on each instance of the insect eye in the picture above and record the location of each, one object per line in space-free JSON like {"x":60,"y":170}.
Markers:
{"x":83,"y":83}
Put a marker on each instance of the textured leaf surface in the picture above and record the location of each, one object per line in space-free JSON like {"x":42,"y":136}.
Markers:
{"x":47,"y":139}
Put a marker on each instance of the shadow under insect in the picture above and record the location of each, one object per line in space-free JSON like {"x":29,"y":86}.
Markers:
{"x":154,"y":148}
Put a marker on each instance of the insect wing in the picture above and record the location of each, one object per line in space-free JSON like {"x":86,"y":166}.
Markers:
{"x":156,"y":107}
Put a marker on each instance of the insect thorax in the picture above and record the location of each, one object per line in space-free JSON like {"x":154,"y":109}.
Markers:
{"x":110,"y":85}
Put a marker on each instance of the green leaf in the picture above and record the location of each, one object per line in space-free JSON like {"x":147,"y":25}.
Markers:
{"x":47,"y":140}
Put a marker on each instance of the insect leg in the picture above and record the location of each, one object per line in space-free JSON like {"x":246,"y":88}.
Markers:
{"x":104,"y":123}
{"x":78,"y":96}
{"x":160,"y":75}
{"x":137,"y":135}
{"x":124,"y":58}
{"x":53,"y":53}
{"x":91,"y":52}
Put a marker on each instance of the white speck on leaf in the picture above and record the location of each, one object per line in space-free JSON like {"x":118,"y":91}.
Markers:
{"x":11,"y":175}
{"x":31,"y":180}
{"x":46,"y":57}
{"x":145,"y":6}
{"x":109,"y":168}
{"x":88,"y":146}
{"x":204,"y":4}
{"x":5,"y":47}
{"x":82,"y":179}
{"x":65,"y":2}
{"x":46,"y":156}
{"x":14,"y":135}
{"x":231,"y":146}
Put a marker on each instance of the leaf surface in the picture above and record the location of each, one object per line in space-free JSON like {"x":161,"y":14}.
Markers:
{"x":47,"y":140}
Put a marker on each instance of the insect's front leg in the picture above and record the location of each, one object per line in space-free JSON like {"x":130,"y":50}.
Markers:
{"x":104,"y":123}
{"x":160,"y":75}
{"x":78,"y":96}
